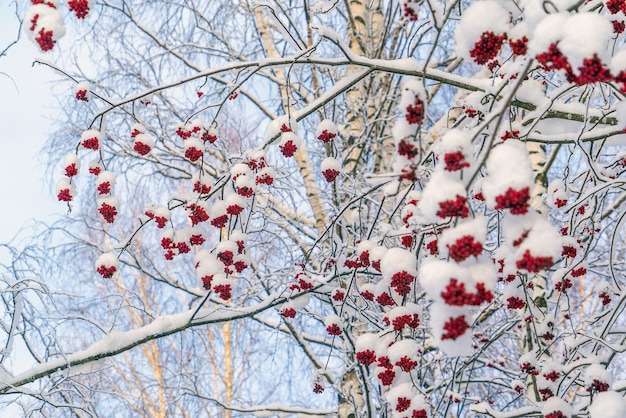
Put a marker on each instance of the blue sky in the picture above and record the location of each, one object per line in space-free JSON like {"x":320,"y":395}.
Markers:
{"x":26,"y":109}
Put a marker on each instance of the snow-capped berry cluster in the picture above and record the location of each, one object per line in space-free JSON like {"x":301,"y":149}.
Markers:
{"x":406,"y":130}
{"x":107,"y":207}
{"x":454,"y":149}
{"x":81,"y":91}
{"x":289,"y":143}
{"x":331,"y":168}
{"x":326,"y":131}
{"x":142,"y":143}
{"x":333,"y":325}
{"x":454,"y":290}
{"x":575,"y":44}
{"x":510,"y":178}
{"x":91,"y":139}
{"x":555,"y":407}
{"x":44,"y":24}
{"x":244,"y":180}
{"x":443,"y":198}
{"x":195,"y":135}
{"x":557,"y":196}
{"x":394,"y":362}
{"x":160,"y":214}
{"x":216,"y":269}
{"x":107,"y":265}
{"x":479,"y":39}
{"x":65,"y":187}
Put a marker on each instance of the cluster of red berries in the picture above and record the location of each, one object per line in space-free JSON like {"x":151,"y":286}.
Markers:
{"x":415,"y":112}
{"x":546,"y":393}
{"x":514,"y":302}
{"x":363,"y":260}
{"x":510,"y":134}
{"x":141,"y":148}
{"x":563,"y":285}
{"x":464,"y":247}
{"x":224,"y":291}
{"x":401,"y":282}
{"x":106,"y":272}
{"x":407,"y":241}
{"x":432,"y":247}
{"x":456,"y":295}
{"x":198,"y":214}
{"x":334,"y":330}
{"x":330,"y":174}
{"x":454,"y":328}
{"x":326,"y":136}
{"x":519,"y":46}
{"x":515,"y":200}
{"x":411,"y":321}
{"x":568,"y":251}
{"x":45,"y":39}
{"x":288,"y":313}
{"x":288,"y":149}
{"x":193,"y":154}
{"x":108,"y":212}
{"x":403,"y":404}
{"x":534,"y":264}
{"x":606,"y":298}
{"x":79,"y":7}
{"x":455,"y":161}
{"x":529,"y":369}
{"x":487,"y":47}
{"x":384,"y":299}
{"x":406,"y":364}
{"x":598,"y":386}
{"x":451,"y":208}
{"x":338,"y":295}
{"x":81,"y":95}
{"x":407,"y":149}
{"x":409,"y":10}
{"x":366,"y":357}
{"x":302,"y":283}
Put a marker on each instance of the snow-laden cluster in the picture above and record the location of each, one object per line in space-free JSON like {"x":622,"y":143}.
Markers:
{"x":405,"y":131}
{"x":577,"y":44}
{"x":456,"y":243}
{"x":44,"y":23}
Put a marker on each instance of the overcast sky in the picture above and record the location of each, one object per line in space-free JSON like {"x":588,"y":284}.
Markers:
{"x":26,"y":107}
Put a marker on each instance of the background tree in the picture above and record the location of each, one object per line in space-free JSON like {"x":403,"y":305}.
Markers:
{"x":399,"y":208}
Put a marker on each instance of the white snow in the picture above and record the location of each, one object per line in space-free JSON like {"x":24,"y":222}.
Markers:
{"x":585,"y":35}
{"x":608,"y":404}
{"x":326,"y":125}
{"x":396,"y":260}
{"x":508,"y":166}
{"x":107,"y":260}
{"x":440,"y":187}
{"x":330,"y":163}
{"x":557,"y":404}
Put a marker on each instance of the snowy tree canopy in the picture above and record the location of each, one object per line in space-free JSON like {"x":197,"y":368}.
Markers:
{"x":291,"y":208}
